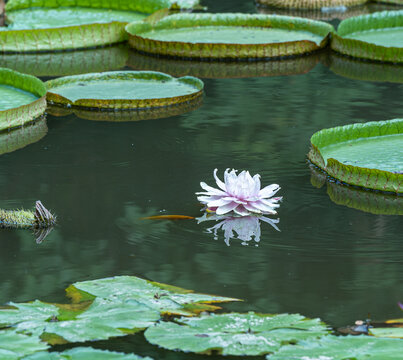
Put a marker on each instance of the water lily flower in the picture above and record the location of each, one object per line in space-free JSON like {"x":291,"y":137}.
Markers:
{"x":245,"y":228}
{"x":241,"y":194}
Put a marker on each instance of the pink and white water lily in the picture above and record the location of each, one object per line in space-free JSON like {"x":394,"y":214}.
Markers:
{"x":241,"y":194}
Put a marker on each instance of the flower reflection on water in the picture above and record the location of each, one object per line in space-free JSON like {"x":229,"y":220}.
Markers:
{"x":245,"y":228}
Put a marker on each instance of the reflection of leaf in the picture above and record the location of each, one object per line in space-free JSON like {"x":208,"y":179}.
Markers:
{"x":244,"y":228}
{"x":84,"y":353}
{"x":154,"y":295}
{"x":235,"y":334}
{"x":342,"y":347}
{"x":13,"y":345}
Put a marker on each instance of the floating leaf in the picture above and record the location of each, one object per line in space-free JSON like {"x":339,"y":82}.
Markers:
{"x":310,"y":4}
{"x":84,"y":353}
{"x":367,"y":155}
{"x":39,"y":25}
{"x":389,"y":332}
{"x":163,"y":298}
{"x":228,"y":36}
{"x":13,"y":345}
{"x":378,"y":36}
{"x":123,"y":90}
{"x":342,"y":348}
{"x":234,"y":334}
{"x":22,"y":98}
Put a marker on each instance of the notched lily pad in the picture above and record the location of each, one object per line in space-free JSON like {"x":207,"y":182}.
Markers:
{"x":235,"y":334}
{"x":123,"y":90}
{"x":342,"y":347}
{"x":22,"y":99}
{"x":378,"y":36}
{"x":163,"y":298}
{"x":368,"y":155}
{"x":84,"y":353}
{"x":234,"y":36}
{"x":46,"y":25}
{"x":13,"y":346}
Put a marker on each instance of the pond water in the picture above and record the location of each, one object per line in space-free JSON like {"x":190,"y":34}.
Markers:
{"x":101,"y":178}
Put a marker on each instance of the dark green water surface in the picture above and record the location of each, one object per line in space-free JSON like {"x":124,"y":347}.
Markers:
{"x":100,"y":178}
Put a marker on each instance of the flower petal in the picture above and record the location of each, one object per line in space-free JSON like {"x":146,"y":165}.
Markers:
{"x":226,"y":208}
{"x":256,"y":180}
{"x":211,"y":190}
{"x":264,"y":208}
{"x":218,"y":202}
{"x":248,"y":206}
{"x":240,"y":210}
{"x":269,"y":191}
{"x":220,"y":184}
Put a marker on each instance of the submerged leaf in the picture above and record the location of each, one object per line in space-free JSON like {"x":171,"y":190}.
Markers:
{"x":235,"y":334}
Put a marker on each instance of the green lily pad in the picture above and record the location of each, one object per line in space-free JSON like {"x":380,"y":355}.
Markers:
{"x":342,"y":348}
{"x":67,"y":63}
{"x":364,"y":70}
{"x":25,"y":312}
{"x":228,"y":36}
{"x":389,"y":332}
{"x":367,"y":155}
{"x":310,"y":4}
{"x":46,"y":25}
{"x":130,"y":115}
{"x":368,"y":201}
{"x":17,"y":139}
{"x":235,"y":334}
{"x":221,"y":70}
{"x":123,"y":90}
{"x":378,"y":36}
{"x":84,"y":353}
{"x":163,"y":298}
{"x":22,"y":99}
{"x":13,"y":345}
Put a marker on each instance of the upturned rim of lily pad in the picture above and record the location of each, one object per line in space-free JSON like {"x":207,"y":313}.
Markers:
{"x":374,"y":202}
{"x":232,"y":51}
{"x":18,"y":116}
{"x":127,"y":116}
{"x":366,"y":50}
{"x":310,"y":4}
{"x":226,"y":70}
{"x":123,"y":104}
{"x":374,"y":179}
{"x":78,"y":36}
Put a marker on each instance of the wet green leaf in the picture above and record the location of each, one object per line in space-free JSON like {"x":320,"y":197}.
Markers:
{"x":163,"y":298}
{"x":342,"y":348}
{"x":310,"y":4}
{"x":235,"y":334}
{"x":14,"y":345}
{"x":367,"y":155}
{"x":228,"y":36}
{"x":84,"y":353}
{"x":387,"y":332}
{"x":123,"y":90}
{"x":378,"y":36}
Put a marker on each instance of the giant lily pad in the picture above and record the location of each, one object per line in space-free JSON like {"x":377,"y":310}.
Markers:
{"x":123,"y":90}
{"x":342,"y":348}
{"x":123,"y":116}
{"x":164,"y":298}
{"x":363,"y":70}
{"x":21,"y":137}
{"x":232,"y":36}
{"x":235,"y":334}
{"x":310,"y":4}
{"x":22,"y":99}
{"x":378,"y":203}
{"x":67,"y":63}
{"x":13,"y":345}
{"x":84,"y":353}
{"x":369,"y":155}
{"x":47,"y":25}
{"x":220,"y":69}
{"x":378,"y":36}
